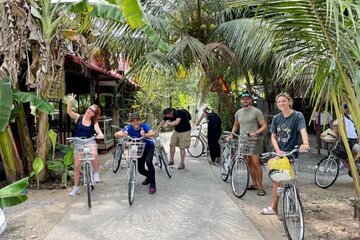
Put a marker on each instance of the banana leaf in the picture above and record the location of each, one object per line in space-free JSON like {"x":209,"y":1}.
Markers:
{"x":5,"y":102}
{"x":13,"y":194}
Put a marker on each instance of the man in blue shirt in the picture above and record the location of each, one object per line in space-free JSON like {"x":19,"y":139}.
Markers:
{"x":137,"y":129}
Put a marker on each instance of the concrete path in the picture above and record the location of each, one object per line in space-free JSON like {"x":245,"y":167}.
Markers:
{"x":190,"y":205}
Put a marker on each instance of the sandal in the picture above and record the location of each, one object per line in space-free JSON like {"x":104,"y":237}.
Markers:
{"x":171,"y":163}
{"x":251,"y":187}
{"x":181,"y":166}
{"x":268,"y":211}
{"x":261,"y":192}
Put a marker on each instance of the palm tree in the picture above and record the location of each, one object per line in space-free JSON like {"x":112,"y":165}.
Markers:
{"x":318,"y":44}
{"x":187,"y":26}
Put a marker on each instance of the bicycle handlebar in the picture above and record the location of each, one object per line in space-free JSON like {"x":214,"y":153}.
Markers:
{"x":274,"y":154}
{"x":81,"y":139}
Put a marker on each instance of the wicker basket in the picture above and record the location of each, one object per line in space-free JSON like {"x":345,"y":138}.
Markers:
{"x":86,"y":151}
{"x":339,"y":151}
{"x":247,"y":146}
{"x":135,"y":149}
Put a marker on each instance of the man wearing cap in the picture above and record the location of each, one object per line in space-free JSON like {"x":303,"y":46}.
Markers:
{"x":182,"y":134}
{"x":251,"y":123}
{"x":137,"y":129}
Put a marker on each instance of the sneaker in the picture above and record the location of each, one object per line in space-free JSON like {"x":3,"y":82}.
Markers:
{"x":152,"y":190}
{"x":97,"y":177}
{"x":146,"y":182}
{"x":74,"y":191}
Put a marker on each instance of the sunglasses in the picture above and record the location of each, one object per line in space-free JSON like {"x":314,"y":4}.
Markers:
{"x":92,"y":110}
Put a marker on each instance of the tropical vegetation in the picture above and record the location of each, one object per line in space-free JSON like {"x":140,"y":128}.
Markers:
{"x":307,"y":47}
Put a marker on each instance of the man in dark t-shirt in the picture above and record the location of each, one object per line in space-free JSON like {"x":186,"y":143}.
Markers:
{"x":181,"y":135}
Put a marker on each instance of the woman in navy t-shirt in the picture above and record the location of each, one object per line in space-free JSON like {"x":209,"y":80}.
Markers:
{"x":86,"y":126}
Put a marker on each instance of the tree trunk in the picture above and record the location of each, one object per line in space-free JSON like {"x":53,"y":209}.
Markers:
{"x":26,"y":143}
{"x":9,"y":154}
{"x":223,"y":97}
{"x":43,"y":143}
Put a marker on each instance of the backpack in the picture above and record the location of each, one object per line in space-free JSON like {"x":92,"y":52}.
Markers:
{"x":187,"y":113}
{"x":214,"y":120}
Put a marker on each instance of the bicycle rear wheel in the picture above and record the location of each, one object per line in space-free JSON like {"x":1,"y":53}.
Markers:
{"x":239,"y":177}
{"x":131,"y":182}
{"x":164,"y":160}
{"x":117,"y":155}
{"x":292,"y":213}
{"x":225,"y":164}
{"x":327,"y":172}
{"x":88,"y":183}
{"x":196,"y":147}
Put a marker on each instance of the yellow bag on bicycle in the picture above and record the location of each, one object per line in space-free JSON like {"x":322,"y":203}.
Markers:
{"x":280,"y":169}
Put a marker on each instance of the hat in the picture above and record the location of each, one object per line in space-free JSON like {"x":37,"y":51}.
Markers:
{"x":245,"y":95}
{"x":356,"y":148}
{"x":328,"y":132}
{"x":134,"y":116}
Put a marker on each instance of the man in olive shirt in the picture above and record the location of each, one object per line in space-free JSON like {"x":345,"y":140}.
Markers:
{"x":181,"y":135}
{"x":251,"y":123}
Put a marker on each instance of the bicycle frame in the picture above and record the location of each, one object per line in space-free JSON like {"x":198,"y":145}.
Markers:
{"x":292,"y":214}
{"x":86,"y":152}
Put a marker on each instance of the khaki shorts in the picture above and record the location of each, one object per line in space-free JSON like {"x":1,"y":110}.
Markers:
{"x":180,"y":139}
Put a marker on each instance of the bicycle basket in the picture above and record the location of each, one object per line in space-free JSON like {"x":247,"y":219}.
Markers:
{"x":135,"y":149}
{"x":247,"y":146}
{"x":339,"y":151}
{"x":86,"y":151}
{"x":280,"y":169}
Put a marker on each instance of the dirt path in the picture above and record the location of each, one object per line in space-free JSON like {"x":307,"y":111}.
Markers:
{"x":328,"y":212}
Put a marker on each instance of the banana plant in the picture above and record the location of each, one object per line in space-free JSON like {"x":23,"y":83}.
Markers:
{"x":63,"y":165}
{"x":16,"y":192}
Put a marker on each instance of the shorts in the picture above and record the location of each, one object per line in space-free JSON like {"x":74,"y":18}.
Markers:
{"x":180,"y":139}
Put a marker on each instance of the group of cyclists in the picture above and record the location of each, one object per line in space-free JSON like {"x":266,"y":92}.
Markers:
{"x":287,"y":127}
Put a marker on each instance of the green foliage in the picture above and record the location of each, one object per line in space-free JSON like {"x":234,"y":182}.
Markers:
{"x":5,"y":102}
{"x":63,"y":165}
{"x":42,"y":104}
{"x":14,"y":193}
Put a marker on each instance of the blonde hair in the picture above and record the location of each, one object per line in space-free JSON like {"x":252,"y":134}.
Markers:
{"x":97,"y":113}
{"x":287,"y":96}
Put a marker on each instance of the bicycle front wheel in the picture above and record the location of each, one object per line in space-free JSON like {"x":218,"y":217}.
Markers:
{"x":239,"y":177}
{"x":131,"y":182}
{"x":292,"y":213}
{"x":165,"y":161}
{"x":327,"y":172}
{"x":88,"y":183}
{"x":117,"y":155}
{"x":225,"y":164}
{"x":196,"y":147}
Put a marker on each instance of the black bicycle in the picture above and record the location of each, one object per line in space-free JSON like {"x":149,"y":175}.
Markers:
{"x":118,"y":153}
{"x":160,"y":155}
{"x":327,"y":170}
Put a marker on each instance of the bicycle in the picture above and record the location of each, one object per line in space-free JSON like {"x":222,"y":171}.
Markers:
{"x":135,"y":149}
{"x":160,"y":155}
{"x":283,"y":169}
{"x":118,"y":152}
{"x":86,"y":150}
{"x":233,"y":163}
{"x":228,"y":151}
{"x":327,"y":170}
{"x":198,"y":143}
